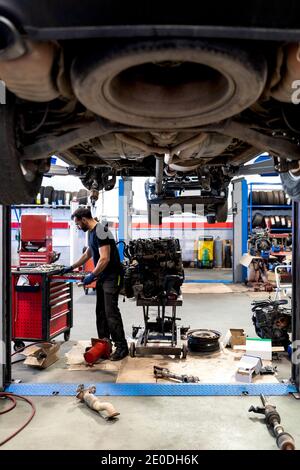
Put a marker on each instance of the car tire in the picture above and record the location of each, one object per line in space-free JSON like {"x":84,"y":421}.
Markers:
{"x":222,"y":212}
{"x":55,"y":197}
{"x":15,"y":188}
{"x":282,"y":198}
{"x":255,"y":199}
{"x":270,"y":198}
{"x":61,"y":198}
{"x":258,"y":220}
{"x":291,"y":185}
{"x":48,"y":194}
{"x":276,"y":198}
{"x":112,"y":82}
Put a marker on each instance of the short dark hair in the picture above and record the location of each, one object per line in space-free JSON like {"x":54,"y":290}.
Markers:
{"x":82,"y":212}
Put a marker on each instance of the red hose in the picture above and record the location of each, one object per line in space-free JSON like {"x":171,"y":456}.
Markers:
{"x":14,"y":403}
{"x":12,"y":397}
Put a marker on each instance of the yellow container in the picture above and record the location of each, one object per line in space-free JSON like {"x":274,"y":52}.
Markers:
{"x":205,"y":252}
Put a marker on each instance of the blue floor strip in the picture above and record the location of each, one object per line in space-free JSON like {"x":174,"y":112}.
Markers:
{"x":155,"y":389}
{"x":207,"y":281}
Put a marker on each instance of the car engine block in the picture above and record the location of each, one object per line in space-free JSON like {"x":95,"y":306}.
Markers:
{"x":153,"y":269}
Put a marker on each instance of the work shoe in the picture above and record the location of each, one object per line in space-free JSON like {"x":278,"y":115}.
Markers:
{"x":119,"y":354}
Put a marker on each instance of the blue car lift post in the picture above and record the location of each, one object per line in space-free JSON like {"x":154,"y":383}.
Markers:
{"x":146,"y":389}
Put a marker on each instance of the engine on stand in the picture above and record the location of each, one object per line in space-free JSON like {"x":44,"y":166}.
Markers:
{"x":153,"y":276}
{"x":272,"y":320}
{"x":154,"y":269}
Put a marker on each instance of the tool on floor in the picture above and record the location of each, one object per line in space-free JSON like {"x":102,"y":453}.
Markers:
{"x":283,"y":439}
{"x":268,"y":370}
{"x":100,"y":349}
{"x":164,"y":373}
{"x":86,"y":395}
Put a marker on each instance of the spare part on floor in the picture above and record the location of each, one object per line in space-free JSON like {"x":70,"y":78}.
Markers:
{"x":87,"y":396}
{"x":268,"y":370}
{"x":42,"y":305}
{"x":163,"y":373}
{"x":284,"y":440}
{"x":161,"y":335}
{"x":154,"y":269}
{"x":204,"y":341}
{"x":36,"y":240}
{"x":101,"y":349}
{"x":272,"y":320}
{"x":247,"y":368}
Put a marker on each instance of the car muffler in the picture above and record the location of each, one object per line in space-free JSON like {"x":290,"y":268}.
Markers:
{"x":12,"y":46}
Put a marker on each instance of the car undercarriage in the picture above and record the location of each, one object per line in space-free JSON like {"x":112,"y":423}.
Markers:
{"x":171,"y":102}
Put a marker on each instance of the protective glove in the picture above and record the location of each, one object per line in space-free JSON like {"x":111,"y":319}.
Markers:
{"x":88,"y":279}
{"x":67,"y":269}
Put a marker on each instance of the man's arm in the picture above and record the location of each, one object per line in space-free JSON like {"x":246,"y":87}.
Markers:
{"x":83,"y":259}
{"x":104,"y":252}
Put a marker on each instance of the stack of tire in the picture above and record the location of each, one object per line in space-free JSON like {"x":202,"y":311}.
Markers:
{"x":51,"y":196}
{"x":270,"y":198}
{"x":272,"y":221}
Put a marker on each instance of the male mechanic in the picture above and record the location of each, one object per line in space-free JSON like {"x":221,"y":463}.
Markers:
{"x":102,"y":247}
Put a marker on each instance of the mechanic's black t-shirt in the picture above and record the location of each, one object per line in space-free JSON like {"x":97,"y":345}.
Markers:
{"x":101,"y":236}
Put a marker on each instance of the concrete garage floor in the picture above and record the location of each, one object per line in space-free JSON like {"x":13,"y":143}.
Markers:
{"x":215,"y":274}
{"x":149,"y":422}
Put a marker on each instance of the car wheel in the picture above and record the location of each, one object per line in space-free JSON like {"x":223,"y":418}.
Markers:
{"x":291,"y":185}
{"x":20,"y":182}
{"x":222,"y":212}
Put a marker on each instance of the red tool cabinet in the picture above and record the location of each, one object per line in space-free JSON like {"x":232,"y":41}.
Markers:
{"x":42,"y":309}
{"x":36,"y":240}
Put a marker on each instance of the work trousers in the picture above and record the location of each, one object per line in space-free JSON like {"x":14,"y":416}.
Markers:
{"x":108,"y":316}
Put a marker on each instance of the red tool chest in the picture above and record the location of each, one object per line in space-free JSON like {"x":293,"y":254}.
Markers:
{"x":42,"y":308}
{"x":36,"y":240}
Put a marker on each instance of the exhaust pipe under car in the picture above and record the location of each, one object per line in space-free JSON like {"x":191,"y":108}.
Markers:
{"x":12,"y":46}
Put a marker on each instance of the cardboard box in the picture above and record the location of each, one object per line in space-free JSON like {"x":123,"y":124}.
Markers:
{"x":247,"y":259}
{"x":42,"y":355}
{"x":259,"y":347}
{"x":237,"y":337}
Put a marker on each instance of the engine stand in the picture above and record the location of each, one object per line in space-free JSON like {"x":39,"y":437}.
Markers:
{"x":162,"y":336}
